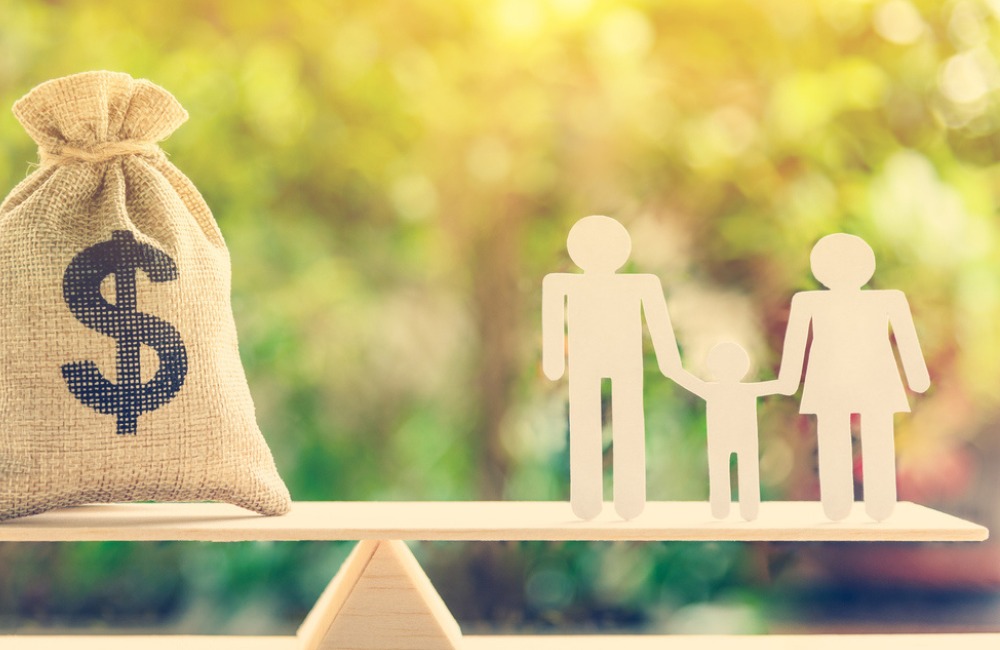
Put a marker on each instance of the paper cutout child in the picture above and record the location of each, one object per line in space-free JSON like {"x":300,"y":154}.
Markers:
{"x":852,"y":369}
{"x":600,"y":311}
{"x":731,"y":408}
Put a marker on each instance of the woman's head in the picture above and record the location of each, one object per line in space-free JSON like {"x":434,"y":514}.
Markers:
{"x":842,"y":261}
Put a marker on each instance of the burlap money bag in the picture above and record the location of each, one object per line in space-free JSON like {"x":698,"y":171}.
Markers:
{"x":120,"y":378}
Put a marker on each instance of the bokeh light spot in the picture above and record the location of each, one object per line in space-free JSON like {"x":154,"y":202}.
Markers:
{"x":489,"y":159}
{"x":898,"y":21}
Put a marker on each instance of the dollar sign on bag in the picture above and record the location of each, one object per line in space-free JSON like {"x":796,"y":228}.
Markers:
{"x":122,"y":255}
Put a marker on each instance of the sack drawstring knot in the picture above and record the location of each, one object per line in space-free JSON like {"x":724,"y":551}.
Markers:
{"x":99,"y":152}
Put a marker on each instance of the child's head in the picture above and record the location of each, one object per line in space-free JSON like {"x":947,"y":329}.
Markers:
{"x":728,"y":361}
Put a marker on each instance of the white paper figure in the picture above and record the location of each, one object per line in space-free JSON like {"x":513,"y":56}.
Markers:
{"x":602,"y":312}
{"x":731,"y":409}
{"x":852,"y":369}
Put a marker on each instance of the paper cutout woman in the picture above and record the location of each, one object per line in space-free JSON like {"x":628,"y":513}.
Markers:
{"x":852,"y":369}
{"x":600,"y":311}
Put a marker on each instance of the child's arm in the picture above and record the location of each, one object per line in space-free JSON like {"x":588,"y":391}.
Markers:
{"x":772,"y":387}
{"x":691,"y":383}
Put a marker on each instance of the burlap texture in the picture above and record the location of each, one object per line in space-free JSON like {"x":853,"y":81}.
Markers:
{"x":103,"y":179}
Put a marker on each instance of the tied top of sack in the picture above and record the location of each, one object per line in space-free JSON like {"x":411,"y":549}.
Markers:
{"x":120,"y":374}
{"x":95,"y":116}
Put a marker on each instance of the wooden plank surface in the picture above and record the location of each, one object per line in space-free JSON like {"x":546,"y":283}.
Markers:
{"x":479,"y":521}
{"x":133,"y":642}
{"x":590,"y":642}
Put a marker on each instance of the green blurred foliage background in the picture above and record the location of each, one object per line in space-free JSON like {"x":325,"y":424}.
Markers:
{"x":393,"y":180}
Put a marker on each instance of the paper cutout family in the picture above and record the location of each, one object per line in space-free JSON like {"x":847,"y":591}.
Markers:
{"x":851,"y":369}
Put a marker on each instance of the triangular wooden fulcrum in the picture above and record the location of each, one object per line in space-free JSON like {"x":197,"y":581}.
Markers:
{"x":380,"y":600}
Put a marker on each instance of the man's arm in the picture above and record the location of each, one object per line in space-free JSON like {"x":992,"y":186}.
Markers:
{"x":793,"y":354}
{"x":555,"y":289}
{"x":901,"y":321}
{"x":654,"y":306}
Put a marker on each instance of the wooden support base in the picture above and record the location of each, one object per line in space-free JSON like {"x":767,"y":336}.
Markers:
{"x":380,"y":600}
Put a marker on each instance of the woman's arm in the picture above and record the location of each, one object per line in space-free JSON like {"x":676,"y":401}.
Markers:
{"x":793,"y":354}
{"x":901,"y":321}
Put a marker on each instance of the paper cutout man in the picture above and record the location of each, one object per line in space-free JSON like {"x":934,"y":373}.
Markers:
{"x":731,"y":408}
{"x":852,"y":369}
{"x":601,"y":313}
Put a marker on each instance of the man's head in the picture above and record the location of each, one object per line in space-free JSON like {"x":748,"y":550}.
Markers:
{"x":599,"y":244}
